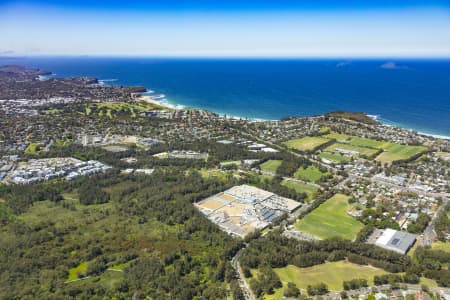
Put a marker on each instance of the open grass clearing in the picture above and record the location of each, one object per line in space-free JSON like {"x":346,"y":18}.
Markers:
{"x":307,"y":143}
{"x":330,"y":219}
{"x":271,"y":165}
{"x":444,"y":246}
{"x":394,"y":152}
{"x":339,"y":137}
{"x":214,"y":173}
{"x":230,"y":163}
{"x":311,"y":173}
{"x":331,"y":273}
{"x":310,"y":190}
{"x":351,"y":150}
{"x":369,"y":143}
{"x":335,"y":158}
{"x":34,"y":148}
{"x":80,"y":269}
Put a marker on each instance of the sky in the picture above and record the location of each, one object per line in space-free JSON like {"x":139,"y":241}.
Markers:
{"x":210,"y":28}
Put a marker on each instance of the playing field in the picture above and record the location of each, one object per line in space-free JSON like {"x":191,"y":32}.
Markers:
{"x":337,"y":158}
{"x":330,"y":219}
{"x":270,"y":165}
{"x":337,"y":136}
{"x":330,"y":273}
{"x":307,"y":143}
{"x":352,"y":150}
{"x":370,"y":143}
{"x":393,"y":152}
{"x":311,"y":173}
{"x":310,"y":190}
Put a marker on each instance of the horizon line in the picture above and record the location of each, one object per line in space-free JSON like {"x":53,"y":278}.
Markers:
{"x":169,"y":56}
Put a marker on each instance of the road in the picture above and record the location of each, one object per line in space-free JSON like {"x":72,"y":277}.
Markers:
{"x":246,"y":290}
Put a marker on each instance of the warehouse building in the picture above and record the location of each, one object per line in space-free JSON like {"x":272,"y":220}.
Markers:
{"x":398,"y":241}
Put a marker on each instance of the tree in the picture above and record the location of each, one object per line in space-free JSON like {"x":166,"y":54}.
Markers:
{"x":291,"y":290}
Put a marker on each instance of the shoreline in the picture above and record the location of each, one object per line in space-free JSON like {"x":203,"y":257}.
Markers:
{"x":152,"y":98}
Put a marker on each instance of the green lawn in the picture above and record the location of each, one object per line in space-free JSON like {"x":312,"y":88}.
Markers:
{"x":395,"y":152}
{"x":307,"y":143}
{"x":330,"y":273}
{"x":444,"y":246}
{"x":230,"y":162}
{"x":311,"y":173}
{"x":370,"y":143}
{"x":310,"y":190}
{"x":81,"y":268}
{"x":337,"y":136}
{"x":270,"y":165}
{"x":333,"y":274}
{"x":337,"y":158}
{"x":361,"y":150}
{"x":34,"y":148}
{"x":110,"y":109}
{"x":331,"y":219}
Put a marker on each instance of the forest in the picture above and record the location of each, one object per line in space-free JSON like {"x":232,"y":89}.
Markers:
{"x":137,"y":236}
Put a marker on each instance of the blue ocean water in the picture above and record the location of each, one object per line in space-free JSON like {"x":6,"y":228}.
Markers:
{"x":414,"y":94}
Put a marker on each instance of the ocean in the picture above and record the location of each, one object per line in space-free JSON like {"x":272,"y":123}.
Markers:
{"x":413,"y":94}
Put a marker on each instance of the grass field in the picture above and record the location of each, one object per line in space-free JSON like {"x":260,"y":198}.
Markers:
{"x":73,"y":273}
{"x":370,"y":143}
{"x":330,"y":273}
{"x":310,"y":190}
{"x":441,"y":246}
{"x":331,"y":219}
{"x":337,"y":136}
{"x":395,"y":152}
{"x":109,"y":109}
{"x":361,"y":150}
{"x":311,"y":173}
{"x":307,"y":143}
{"x":230,"y":162}
{"x":270,"y":165}
{"x":337,"y":158}
{"x":34,"y":148}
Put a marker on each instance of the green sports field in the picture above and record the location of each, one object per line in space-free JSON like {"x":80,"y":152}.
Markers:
{"x":270,"y":165}
{"x":337,"y":158}
{"x":330,"y":273}
{"x":361,"y":150}
{"x":330,"y":219}
{"x":340,"y":137}
{"x":310,"y":190}
{"x":307,"y":143}
{"x":370,"y":143}
{"x":311,"y":173}
{"x":393,"y":152}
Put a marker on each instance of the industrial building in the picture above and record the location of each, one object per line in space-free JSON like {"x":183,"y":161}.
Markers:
{"x":398,"y":241}
{"x":242,"y":209}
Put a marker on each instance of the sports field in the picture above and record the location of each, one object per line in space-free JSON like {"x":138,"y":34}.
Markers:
{"x":311,"y":173}
{"x":330,"y":219}
{"x":340,"y":137}
{"x":337,"y":158}
{"x":393,"y":152}
{"x":310,"y":190}
{"x":270,"y":165}
{"x":307,"y":143}
{"x":370,"y":143}
{"x":330,"y":273}
{"x":347,"y":147}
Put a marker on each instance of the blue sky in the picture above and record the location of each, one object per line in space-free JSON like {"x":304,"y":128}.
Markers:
{"x":283,"y":28}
